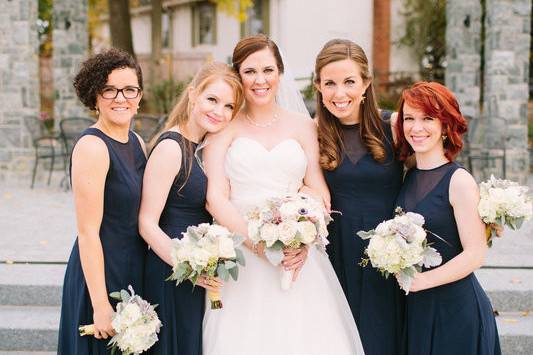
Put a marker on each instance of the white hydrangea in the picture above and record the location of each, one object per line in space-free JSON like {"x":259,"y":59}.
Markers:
{"x":226,"y":248}
{"x":397,"y":246}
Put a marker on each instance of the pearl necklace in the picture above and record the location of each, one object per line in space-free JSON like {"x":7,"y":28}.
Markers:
{"x":262,"y":125}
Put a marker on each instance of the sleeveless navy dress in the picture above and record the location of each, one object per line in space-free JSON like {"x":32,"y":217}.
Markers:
{"x":455,"y":318}
{"x":181,"y":308}
{"x":365,"y":192}
{"x":123,"y":248}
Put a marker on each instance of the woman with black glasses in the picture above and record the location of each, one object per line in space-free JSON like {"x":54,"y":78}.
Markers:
{"x":107,"y":166}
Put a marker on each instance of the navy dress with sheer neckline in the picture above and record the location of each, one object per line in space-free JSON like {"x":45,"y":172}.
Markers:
{"x":123,"y":248}
{"x":181,"y":308}
{"x":455,"y":318}
{"x":364,"y":191}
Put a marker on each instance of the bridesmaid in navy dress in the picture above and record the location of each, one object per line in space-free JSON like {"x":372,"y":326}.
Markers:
{"x":174,"y":195}
{"x":447,"y":311}
{"x":356,"y":152}
{"x":107,"y":166}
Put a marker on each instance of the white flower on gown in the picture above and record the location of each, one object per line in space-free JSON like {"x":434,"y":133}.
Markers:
{"x":313,"y":317}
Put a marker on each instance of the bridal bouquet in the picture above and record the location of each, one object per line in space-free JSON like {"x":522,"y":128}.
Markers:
{"x":503,"y":202}
{"x":207,"y":250}
{"x":398,"y":246}
{"x":135,"y":322}
{"x":288,"y":222}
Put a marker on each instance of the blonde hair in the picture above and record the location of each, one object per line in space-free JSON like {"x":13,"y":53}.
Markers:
{"x":329,"y":127}
{"x":179,"y":116}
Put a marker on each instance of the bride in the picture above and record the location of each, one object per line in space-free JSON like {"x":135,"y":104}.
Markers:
{"x":267,"y":151}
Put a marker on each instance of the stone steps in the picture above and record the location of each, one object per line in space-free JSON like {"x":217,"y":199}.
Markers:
{"x":30,"y":298}
{"x":508,"y":289}
{"x":27,"y":352}
{"x":31,"y":284}
{"x":516,"y":332}
{"x":24,"y":328}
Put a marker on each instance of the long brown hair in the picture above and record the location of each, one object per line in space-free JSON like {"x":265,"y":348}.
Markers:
{"x":329,"y":127}
{"x":179,"y":116}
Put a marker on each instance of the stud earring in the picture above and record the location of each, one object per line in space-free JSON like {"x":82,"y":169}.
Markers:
{"x":444,"y":138}
{"x":363,"y":99}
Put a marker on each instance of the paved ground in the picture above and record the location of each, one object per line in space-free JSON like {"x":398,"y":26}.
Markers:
{"x":37,"y":225}
{"x":40,"y":225}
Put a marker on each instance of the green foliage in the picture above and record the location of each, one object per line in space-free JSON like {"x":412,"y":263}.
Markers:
{"x":308,"y":91}
{"x":235,"y":8}
{"x":425,"y":34}
{"x":165,"y":94}
{"x":44,"y":27}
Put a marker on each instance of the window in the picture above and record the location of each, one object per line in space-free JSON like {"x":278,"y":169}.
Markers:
{"x":258,"y":20}
{"x":165,"y":30}
{"x":204,"y":22}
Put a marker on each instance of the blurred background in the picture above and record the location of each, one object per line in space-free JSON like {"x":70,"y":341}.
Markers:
{"x":480,"y":49}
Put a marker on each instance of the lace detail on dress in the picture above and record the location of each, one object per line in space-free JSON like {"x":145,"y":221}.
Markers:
{"x":422,"y":183}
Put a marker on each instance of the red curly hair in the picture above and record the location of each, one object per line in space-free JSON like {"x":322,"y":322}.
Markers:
{"x":437,"y":101}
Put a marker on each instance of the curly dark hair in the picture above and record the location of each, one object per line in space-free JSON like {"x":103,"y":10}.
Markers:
{"x":93,"y":73}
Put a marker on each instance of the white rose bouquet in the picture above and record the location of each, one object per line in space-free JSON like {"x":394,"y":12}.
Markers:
{"x":207,"y":250}
{"x":503,"y":203}
{"x":288,"y":222}
{"x":135,"y":322}
{"x":398,"y":246}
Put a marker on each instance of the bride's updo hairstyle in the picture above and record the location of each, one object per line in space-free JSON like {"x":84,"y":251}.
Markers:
{"x":329,"y":126}
{"x":436,"y":101}
{"x":252,"y":44}
{"x":181,"y":112}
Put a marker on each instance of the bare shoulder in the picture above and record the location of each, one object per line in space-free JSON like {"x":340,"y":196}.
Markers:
{"x":90,"y":157}
{"x":300,"y":122}
{"x":226,"y":135}
{"x":90,"y":147}
{"x":463,"y":185}
{"x":167,"y":148}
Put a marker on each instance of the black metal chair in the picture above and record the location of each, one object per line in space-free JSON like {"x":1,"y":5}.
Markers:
{"x":46,"y":145}
{"x":70,"y":130}
{"x":147,"y":126}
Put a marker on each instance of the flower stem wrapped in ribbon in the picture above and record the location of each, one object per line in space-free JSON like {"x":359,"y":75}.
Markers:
{"x":135,"y":322}
{"x":288,"y":222}
{"x":503,"y":203}
{"x":207,"y":250}
{"x":399,"y":247}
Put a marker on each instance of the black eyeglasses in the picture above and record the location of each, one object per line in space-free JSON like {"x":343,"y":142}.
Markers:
{"x":129,"y":92}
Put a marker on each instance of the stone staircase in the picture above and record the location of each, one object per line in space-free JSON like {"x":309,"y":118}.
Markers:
{"x":30,"y":296}
{"x":511,"y":295}
{"x":30,"y":299}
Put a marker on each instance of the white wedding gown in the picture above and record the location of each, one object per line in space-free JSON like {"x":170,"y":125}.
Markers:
{"x":257,"y":317}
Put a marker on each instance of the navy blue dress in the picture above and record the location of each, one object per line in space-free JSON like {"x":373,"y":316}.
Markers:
{"x":123,"y":248}
{"x":365,"y":192}
{"x":181,"y":308}
{"x":455,"y":318}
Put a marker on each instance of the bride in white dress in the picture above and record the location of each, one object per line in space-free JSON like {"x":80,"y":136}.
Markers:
{"x":267,"y":151}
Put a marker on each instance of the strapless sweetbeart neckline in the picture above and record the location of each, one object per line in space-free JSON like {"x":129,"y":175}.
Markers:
{"x":271,"y":149}
{"x":256,"y":173}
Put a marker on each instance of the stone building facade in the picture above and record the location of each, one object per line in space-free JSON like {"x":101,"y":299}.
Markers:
{"x":70,"y":49}
{"x":498,"y":126}
{"x":19,"y":85}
